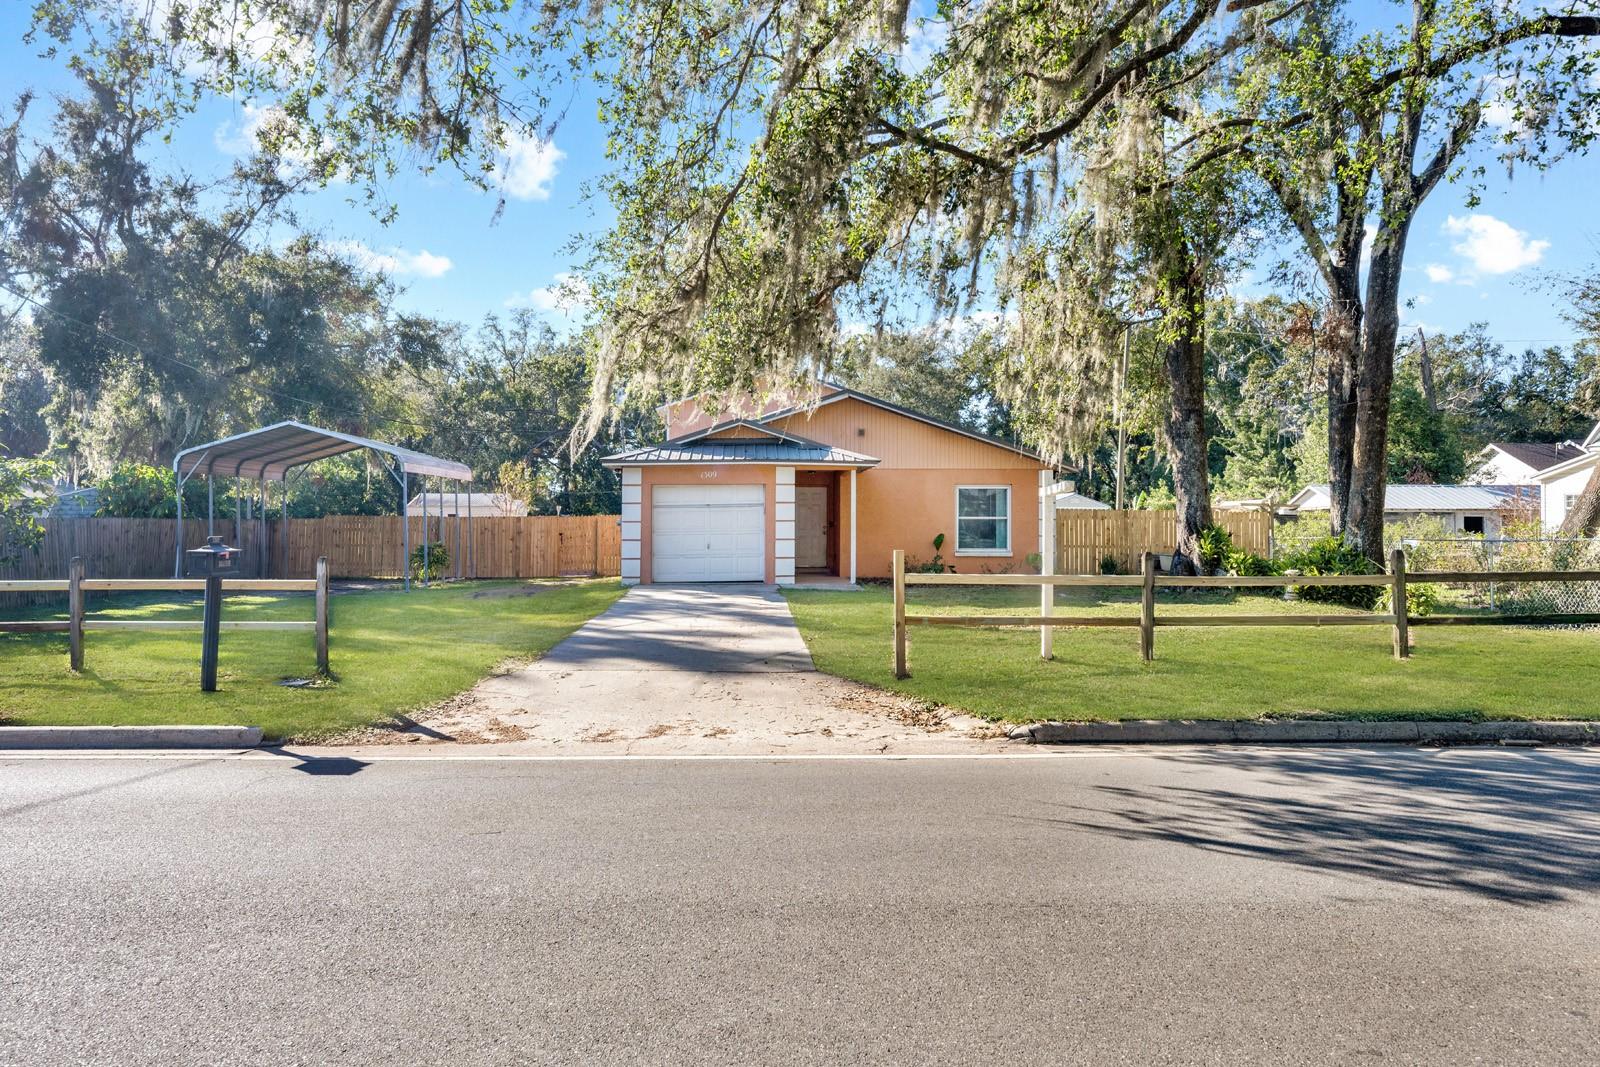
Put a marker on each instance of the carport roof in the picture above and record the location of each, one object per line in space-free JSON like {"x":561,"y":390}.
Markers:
{"x":272,"y":451}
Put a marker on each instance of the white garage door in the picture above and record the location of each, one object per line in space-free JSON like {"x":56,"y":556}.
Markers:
{"x":708,"y":533}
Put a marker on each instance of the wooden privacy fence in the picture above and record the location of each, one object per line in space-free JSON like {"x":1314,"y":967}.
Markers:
{"x":78,"y":622}
{"x":356,"y":546}
{"x":1085,"y":537}
{"x":1148,"y":581}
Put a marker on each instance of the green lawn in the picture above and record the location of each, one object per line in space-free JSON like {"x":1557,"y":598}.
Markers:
{"x":1475,"y":672}
{"x":390,"y":652}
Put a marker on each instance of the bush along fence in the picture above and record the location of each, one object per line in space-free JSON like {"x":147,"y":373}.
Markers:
{"x":79,"y":622}
{"x":1148,"y":581}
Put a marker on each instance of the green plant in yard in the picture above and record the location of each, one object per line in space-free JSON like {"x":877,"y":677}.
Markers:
{"x":1333,"y":555}
{"x":1421,"y":598}
{"x":936,"y":565}
{"x":1247,"y":564}
{"x":1214,"y":542}
{"x":438,"y":561}
{"x":1110,"y":565}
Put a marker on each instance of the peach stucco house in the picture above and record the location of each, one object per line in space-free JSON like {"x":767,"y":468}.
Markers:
{"x":823,"y":491}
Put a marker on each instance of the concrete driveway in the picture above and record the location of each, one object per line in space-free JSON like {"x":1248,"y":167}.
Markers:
{"x":703,"y":669}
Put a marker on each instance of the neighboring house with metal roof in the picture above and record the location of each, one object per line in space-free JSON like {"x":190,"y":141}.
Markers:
{"x":821,"y":487}
{"x":1464,"y":509}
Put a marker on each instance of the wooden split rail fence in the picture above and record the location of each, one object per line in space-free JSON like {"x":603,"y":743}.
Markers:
{"x":1148,"y":581}
{"x":78,"y":620}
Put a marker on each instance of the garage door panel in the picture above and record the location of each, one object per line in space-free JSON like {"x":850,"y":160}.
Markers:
{"x":708,"y":533}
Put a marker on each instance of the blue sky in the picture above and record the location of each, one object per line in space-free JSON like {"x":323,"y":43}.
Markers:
{"x":457,"y":258}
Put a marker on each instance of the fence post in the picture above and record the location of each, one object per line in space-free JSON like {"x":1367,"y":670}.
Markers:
{"x":1399,"y":606}
{"x":1147,"y":608}
{"x":75,"y":613}
{"x":900,"y":670}
{"x":322,"y":614}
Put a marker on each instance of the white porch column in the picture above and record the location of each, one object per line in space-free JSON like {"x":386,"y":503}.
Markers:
{"x":632,"y":523}
{"x":1047,"y":563}
{"x":852,"y":526}
{"x":783,"y":529}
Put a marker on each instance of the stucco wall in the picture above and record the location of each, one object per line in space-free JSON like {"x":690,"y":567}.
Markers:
{"x":720,"y":474}
{"x":906,"y":508}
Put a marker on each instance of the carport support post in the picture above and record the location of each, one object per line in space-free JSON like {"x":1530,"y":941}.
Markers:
{"x":900,"y":670}
{"x":405,"y":527}
{"x":1400,"y":607}
{"x":177,"y":548}
{"x":426,"y":536}
{"x":1147,"y":608}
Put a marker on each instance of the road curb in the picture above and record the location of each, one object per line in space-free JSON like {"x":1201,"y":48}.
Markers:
{"x":1303,"y":731}
{"x":101,"y":737}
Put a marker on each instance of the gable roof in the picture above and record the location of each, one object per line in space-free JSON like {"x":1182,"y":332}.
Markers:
{"x":772,"y":432}
{"x":844,"y":393}
{"x":1593,"y":440}
{"x":740,"y":450}
{"x":1539,"y":454}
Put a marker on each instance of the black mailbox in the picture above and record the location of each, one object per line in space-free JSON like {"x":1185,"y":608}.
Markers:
{"x":211,"y":559}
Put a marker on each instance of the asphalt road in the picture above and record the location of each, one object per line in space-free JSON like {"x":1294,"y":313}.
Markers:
{"x":1223,"y":906}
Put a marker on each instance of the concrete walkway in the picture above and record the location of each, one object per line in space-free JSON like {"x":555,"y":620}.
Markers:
{"x":680,"y":670}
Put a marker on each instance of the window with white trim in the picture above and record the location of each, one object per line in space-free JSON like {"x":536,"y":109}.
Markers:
{"x":983,"y":520}
{"x":1570,"y":502}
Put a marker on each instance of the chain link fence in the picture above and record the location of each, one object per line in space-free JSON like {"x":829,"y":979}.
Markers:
{"x":1506,"y":555}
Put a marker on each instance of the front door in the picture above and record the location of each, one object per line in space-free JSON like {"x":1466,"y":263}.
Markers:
{"x":810,"y":527}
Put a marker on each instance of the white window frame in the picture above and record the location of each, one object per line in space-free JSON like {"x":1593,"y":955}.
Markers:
{"x":1568,"y":501}
{"x":1006,"y":551}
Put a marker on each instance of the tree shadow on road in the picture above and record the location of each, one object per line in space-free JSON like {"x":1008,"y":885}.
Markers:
{"x":1519,"y":827}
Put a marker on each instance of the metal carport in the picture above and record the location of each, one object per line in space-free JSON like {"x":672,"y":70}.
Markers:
{"x":268,"y":454}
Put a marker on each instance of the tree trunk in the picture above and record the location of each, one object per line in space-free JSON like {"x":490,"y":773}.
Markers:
{"x":1583,"y":518}
{"x":1369,"y":471}
{"x":1185,"y":427}
{"x":1343,"y":372}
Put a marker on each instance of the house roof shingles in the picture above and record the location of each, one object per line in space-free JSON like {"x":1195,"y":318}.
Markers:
{"x":1538,"y":454}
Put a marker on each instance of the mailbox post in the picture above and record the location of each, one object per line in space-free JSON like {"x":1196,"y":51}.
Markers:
{"x":211,"y":561}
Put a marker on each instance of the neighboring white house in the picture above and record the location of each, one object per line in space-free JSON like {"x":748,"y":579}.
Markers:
{"x":1514,"y":463}
{"x":1560,"y":485}
{"x":1464,"y":509}
{"x":478,"y":505}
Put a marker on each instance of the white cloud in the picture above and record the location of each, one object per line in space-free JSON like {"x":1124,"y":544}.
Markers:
{"x":396,"y":262}
{"x":1493,"y":246}
{"x":526,"y":166}
{"x":1439,"y":273}
{"x":924,"y":38}
{"x":567,"y":293}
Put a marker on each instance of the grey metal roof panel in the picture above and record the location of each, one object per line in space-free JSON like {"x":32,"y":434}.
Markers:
{"x":272,"y":451}
{"x":739,"y":451}
{"x":1434,"y":497}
